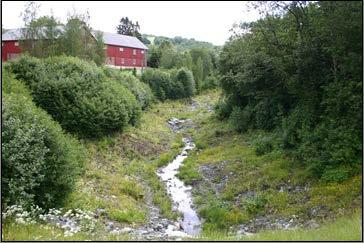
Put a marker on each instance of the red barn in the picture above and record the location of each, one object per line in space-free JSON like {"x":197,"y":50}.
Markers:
{"x":10,"y":48}
{"x":122,"y":51}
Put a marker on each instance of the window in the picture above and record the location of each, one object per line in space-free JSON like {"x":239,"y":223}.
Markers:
{"x":122,"y":60}
{"x":134,"y":51}
{"x":16,"y":43}
{"x":134,"y":61}
{"x":110,"y":61}
{"x":142,"y":51}
{"x":121,"y":49}
{"x":11,"y":56}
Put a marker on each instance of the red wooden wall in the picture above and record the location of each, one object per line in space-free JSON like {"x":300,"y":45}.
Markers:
{"x":8,"y":49}
{"x":126,"y":56}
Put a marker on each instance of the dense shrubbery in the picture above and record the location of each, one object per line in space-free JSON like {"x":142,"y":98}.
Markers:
{"x":142,"y":91}
{"x":303,"y":81}
{"x":27,"y":69}
{"x":39,"y":162}
{"x":78,"y":95}
{"x":174,"y":84}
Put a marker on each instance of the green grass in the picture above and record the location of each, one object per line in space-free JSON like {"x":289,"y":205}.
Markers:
{"x":261,"y":172}
{"x":40,"y":232}
{"x":348,"y":228}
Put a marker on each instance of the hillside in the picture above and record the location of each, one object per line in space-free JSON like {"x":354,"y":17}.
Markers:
{"x":181,"y":44}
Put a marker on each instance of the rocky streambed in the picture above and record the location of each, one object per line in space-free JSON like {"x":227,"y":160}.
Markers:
{"x":179,"y":192}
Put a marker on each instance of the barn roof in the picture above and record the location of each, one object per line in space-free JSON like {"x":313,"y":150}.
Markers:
{"x":109,"y":38}
{"x":17,"y":34}
{"x":122,"y":40}
{"x":12,"y":34}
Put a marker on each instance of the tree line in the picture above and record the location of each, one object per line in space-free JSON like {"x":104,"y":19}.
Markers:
{"x":298,"y":72}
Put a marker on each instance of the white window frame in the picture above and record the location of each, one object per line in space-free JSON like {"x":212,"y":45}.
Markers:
{"x":122,"y":61}
{"x":134,"y":52}
{"x":16,"y":43}
{"x":121,"y":49}
{"x":134,"y":61}
{"x":142,"y":51}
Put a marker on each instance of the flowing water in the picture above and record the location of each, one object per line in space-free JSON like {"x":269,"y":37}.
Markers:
{"x":180,"y":193}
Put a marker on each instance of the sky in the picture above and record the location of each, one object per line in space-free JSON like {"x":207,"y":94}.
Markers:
{"x":204,"y":21}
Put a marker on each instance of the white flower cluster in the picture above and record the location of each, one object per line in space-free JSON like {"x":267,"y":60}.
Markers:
{"x":20,"y":215}
{"x":72,"y":221}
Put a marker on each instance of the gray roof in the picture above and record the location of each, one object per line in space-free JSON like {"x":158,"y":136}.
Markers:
{"x":17,"y":34}
{"x":12,"y":34}
{"x":109,"y":38}
{"x":122,"y":40}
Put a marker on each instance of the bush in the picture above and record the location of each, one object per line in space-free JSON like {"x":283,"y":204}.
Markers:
{"x":39,"y":162}
{"x":183,"y":82}
{"x":211,"y":82}
{"x":240,"y":118}
{"x":159,"y":81}
{"x":82,"y":99}
{"x":174,"y":84}
{"x":141,"y":90}
{"x":26,"y":68}
{"x":263,"y":145}
{"x":335,"y":175}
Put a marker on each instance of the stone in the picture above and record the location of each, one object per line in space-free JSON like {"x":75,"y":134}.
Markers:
{"x":126,"y":230}
{"x":312,"y":224}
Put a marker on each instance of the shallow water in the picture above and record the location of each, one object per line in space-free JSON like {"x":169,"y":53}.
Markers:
{"x":180,"y":193}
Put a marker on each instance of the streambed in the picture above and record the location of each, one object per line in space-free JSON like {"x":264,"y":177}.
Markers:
{"x":179,"y":192}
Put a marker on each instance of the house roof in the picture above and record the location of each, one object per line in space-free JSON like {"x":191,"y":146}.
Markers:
{"x":121,"y":40}
{"x":109,"y":38}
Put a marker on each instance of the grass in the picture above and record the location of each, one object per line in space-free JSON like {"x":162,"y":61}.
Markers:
{"x":347,"y":228}
{"x":41,"y":232}
{"x":254,"y":166}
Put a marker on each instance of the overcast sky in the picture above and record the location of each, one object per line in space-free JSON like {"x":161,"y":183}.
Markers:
{"x":205,"y":21}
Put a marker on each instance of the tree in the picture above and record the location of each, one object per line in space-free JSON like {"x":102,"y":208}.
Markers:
{"x":197,"y":70}
{"x":99,"y":54}
{"x":298,"y":72}
{"x":29,"y":32}
{"x":128,"y":27}
{"x":154,"y":56}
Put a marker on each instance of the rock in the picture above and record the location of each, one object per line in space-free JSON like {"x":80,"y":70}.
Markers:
{"x":312,"y":224}
{"x":100,"y":212}
{"x":115,"y":232}
{"x":126,"y":230}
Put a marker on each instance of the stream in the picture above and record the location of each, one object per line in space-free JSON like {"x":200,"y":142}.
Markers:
{"x":180,"y":193}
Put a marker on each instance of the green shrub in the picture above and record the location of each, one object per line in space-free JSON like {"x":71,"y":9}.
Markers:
{"x":39,"y":162}
{"x":183,"y":82}
{"x":240,"y":118}
{"x":223,"y":108}
{"x":141,"y":90}
{"x":254,"y":205}
{"x":159,"y":81}
{"x":82,"y":99}
{"x":211,"y":82}
{"x":174,"y":84}
{"x":335,"y":175}
{"x":263,"y":145}
{"x":26,"y":68}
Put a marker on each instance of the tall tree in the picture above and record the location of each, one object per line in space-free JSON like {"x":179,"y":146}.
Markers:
{"x":128,"y":27}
